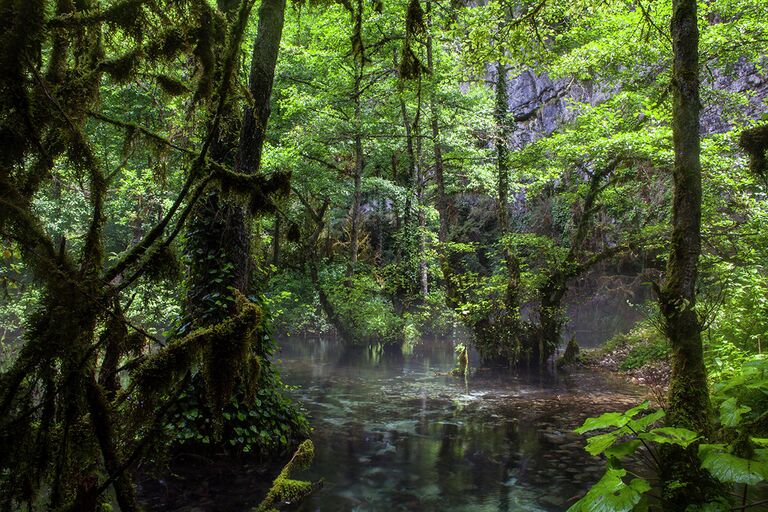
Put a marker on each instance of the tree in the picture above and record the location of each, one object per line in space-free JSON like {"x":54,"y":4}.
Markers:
{"x":688,"y":403}
{"x":66,"y":424}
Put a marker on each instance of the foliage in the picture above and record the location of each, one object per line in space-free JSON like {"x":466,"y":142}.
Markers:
{"x":735,"y":455}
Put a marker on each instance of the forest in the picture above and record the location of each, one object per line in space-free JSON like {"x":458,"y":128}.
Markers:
{"x":383,"y":255}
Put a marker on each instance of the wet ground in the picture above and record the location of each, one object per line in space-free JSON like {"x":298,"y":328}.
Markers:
{"x":394,"y":432}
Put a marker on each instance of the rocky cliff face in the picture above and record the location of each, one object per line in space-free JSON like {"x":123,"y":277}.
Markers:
{"x":540,"y":105}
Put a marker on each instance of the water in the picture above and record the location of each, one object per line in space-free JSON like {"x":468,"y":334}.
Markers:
{"x":394,"y":432}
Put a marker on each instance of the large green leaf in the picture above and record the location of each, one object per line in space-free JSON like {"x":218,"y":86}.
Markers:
{"x":731,"y":412}
{"x":642,"y":424}
{"x":621,"y":450}
{"x":611,"y":494}
{"x":729,"y":468}
{"x":599,"y":443}
{"x":611,"y":419}
{"x":670,"y":435}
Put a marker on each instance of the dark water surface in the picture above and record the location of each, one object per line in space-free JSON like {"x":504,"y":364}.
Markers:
{"x":394,"y":432}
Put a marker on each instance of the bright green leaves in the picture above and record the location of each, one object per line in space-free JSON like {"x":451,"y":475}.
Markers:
{"x":613,"y":494}
{"x":742,"y":396}
{"x":670,"y":435}
{"x":730,"y":468}
{"x":629,"y":425}
{"x":630,"y":430}
{"x":621,"y":450}
{"x":611,"y":419}
{"x":731,"y":412}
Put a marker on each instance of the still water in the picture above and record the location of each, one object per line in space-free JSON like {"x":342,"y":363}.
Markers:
{"x":393,"y":431}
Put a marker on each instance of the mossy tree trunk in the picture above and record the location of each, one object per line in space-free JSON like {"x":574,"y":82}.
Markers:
{"x":219,"y":235}
{"x":503,"y":124}
{"x":413,"y":224}
{"x":443,"y":201}
{"x":688,"y":406}
{"x":69,"y":432}
{"x":357,"y":173}
{"x":219,"y":239}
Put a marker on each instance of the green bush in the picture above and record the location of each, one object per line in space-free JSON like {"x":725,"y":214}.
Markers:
{"x":645,"y":353}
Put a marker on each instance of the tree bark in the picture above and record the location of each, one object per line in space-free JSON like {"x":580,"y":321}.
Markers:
{"x":443,"y":203}
{"x":219,"y":231}
{"x":261,"y":78}
{"x":503,"y":120}
{"x":354,"y":214}
{"x":688,"y":401}
{"x":357,"y":197}
{"x":276,"y":242}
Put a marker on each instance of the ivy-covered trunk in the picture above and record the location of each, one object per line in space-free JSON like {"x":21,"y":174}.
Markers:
{"x":219,"y":237}
{"x":688,"y":404}
{"x":357,"y":195}
{"x":443,"y":200}
{"x":503,"y":120}
{"x":219,"y":231}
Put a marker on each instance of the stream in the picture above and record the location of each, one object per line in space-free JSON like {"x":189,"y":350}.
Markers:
{"x":393,"y":431}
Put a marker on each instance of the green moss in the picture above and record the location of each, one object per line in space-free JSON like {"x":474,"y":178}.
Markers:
{"x":284,"y":489}
{"x":571,"y":354}
{"x":642,"y":346}
{"x":462,"y":361}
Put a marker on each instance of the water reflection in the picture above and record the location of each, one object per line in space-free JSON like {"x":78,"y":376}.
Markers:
{"x":394,"y":432}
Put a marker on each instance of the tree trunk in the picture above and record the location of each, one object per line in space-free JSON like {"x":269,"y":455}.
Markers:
{"x":219,"y":236}
{"x":688,"y":402}
{"x":421,"y":215}
{"x":262,"y":74}
{"x":354,"y":214}
{"x":443,"y":203}
{"x":503,"y":120}
{"x":276,"y":242}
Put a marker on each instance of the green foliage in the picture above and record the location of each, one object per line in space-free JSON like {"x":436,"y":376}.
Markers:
{"x":612,"y":494}
{"x":648,"y":352}
{"x":362,"y":305}
{"x":263,"y":425}
{"x":258,"y":417}
{"x":741,"y":458}
{"x":730,"y":468}
{"x":293,"y":300}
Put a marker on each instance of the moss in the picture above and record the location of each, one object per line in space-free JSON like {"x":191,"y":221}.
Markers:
{"x":414,"y":18}
{"x":221,"y":348}
{"x":171,"y":86}
{"x":410,"y":65}
{"x":462,"y":361}
{"x":571,"y":354}
{"x":228,"y":346}
{"x":755,"y":142}
{"x":284,"y":489}
{"x":122,"y":69}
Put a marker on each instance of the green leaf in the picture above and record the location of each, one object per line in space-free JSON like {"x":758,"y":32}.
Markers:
{"x":611,"y":494}
{"x":611,"y":419}
{"x":599,"y":443}
{"x":731,"y":412}
{"x":621,"y":450}
{"x":642,"y":424}
{"x":670,"y":435}
{"x":729,"y":468}
{"x":631,"y":413}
